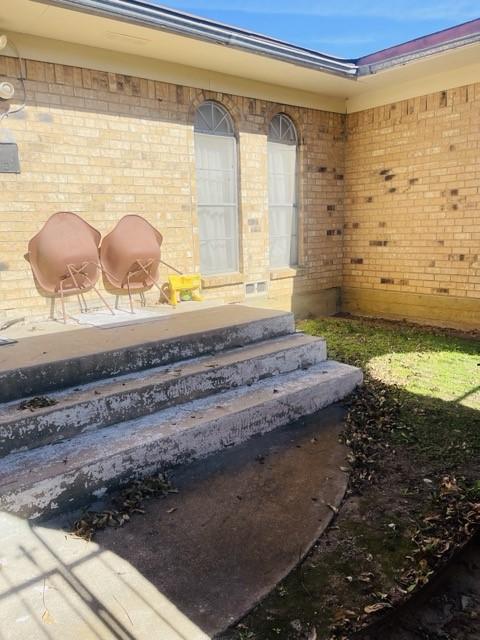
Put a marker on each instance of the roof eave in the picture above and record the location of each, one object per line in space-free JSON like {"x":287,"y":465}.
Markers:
{"x":164,"y":19}
{"x":437,"y":43}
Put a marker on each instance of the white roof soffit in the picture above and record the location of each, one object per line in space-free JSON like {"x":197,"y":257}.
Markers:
{"x":138,"y":38}
{"x":50,"y":33}
{"x":156,"y":16}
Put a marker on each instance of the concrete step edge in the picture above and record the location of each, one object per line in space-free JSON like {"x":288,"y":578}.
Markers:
{"x":98,"y":405}
{"x":38,"y":482}
{"x":48,"y":376}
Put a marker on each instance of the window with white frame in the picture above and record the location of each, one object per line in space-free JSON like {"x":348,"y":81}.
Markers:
{"x":282,"y":192}
{"x":216,"y":177}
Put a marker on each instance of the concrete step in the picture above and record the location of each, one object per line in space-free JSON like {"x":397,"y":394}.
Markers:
{"x":106,"y":402}
{"x":64,"y":475}
{"x":41,"y":364}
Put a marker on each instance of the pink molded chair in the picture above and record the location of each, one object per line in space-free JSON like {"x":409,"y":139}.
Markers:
{"x":130,"y":256}
{"x":64,"y":257}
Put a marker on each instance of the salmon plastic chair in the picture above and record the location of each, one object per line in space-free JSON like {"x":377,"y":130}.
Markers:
{"x":64,"y":257}
{"x":130,"y":256}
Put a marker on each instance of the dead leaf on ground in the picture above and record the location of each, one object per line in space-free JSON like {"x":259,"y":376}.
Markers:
{"x":47,"y":617}
{"x":378,"y":606}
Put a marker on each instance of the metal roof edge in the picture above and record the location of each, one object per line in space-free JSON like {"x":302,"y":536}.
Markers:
{"x":147,"y":14}
{"x":156,"y":16}
{"x":464,"y":34}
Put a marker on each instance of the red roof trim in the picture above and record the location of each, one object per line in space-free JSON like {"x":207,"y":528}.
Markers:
{"x":424,"y":42}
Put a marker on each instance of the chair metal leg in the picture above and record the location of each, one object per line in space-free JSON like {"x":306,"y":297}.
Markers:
{"x":74,"y":271}
{"x":103,"y":300}
{"x":129,"y":294}
{"x":172,"y":268}
{"x":154,"y":282}
{"x":84,"y":303}
{"x":63,"y":303}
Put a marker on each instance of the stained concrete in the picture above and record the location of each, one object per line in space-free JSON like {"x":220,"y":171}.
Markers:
{"x":242,"y":520}
{"x":195,"y":561}
{"x":105,"y":402}
{"x":44,"y":363}
{"x":38,"y":482}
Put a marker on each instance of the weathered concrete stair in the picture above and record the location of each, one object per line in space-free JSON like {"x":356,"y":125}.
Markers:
{"x":246,"y":375}
{"x":106,"y":402}
{"x":77,"y":357}
{"x":64,"y":474}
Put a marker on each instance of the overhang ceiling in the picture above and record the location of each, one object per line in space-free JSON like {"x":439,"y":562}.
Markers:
{"x":161,"y":53}
{"x":29,"y":17}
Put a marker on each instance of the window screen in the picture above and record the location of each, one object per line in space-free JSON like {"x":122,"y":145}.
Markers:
{"x":282,"y":192}
{"x":216,"y":172}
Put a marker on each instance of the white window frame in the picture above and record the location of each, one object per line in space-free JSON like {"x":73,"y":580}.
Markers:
{"x":282,"y":131}
{"x":222,"y":129}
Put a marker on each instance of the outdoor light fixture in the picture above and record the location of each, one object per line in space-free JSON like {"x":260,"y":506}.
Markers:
{"x":7,"y":90}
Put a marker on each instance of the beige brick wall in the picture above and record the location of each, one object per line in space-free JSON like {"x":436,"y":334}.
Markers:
{"x":412,"y":225}
{"x":104,"y":145}
{"x":397,"y":203}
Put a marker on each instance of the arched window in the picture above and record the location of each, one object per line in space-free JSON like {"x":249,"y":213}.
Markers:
{"x":282,"y":191}
{"x":216,"y":173}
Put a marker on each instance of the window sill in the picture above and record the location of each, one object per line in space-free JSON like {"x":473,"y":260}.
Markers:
{"x":285,"y":272}
{"x":222,"y":280}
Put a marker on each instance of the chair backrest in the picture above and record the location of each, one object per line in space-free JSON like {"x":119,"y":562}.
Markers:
{"x":134,"y":243}
{"x":64,"y":254}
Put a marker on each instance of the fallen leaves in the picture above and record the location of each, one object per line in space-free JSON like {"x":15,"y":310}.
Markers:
{"x":128,"y":502}
{"x":38,"y":402}
{"x":376,"y":607}
{"x":47,"y":617}
{"x":372,"y":415}
{"x":452,"y":518}
{"x":439,"y":534}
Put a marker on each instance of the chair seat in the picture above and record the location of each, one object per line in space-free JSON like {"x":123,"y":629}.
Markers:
{"x":130,"y":254}
{"x":65,"y":246}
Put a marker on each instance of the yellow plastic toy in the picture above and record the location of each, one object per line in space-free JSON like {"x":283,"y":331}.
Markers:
{"x":181,"y":283}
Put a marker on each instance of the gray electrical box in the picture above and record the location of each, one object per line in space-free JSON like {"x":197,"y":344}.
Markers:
{"x":9,"y":160}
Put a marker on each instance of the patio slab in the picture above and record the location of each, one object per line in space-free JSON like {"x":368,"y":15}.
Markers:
{"x":44,"y":363}
{"x":83,"y":341}
{"x":196,"y":561}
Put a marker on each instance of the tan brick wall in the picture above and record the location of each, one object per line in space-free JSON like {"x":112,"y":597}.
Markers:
{"x":397,"y":203}
{"x":104,"y":145}
{"x":412,"y":225}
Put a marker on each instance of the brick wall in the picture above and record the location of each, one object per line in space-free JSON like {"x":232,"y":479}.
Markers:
{"x":412,"y":224}
{"x":397,"y":203}
{"x":104,"y":145}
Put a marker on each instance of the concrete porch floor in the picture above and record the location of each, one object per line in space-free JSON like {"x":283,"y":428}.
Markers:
{"x":29,"y":327}
{"x":195,"y":562}
{"x":73,"y":340}
{"x":76,"y":356}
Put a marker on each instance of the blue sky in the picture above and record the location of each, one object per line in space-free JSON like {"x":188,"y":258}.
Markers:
{"x":347,"y":28}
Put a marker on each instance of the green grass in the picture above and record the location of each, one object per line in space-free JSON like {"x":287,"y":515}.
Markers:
{"x":435,"y":373}
{"x":435,"y":376}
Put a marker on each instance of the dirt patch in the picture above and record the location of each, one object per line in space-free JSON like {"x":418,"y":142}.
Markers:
{"x":404,"y":517}
{"x":447,"y":609}
{"x":433,"y":329}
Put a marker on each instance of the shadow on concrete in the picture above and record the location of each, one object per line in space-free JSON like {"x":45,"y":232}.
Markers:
{"x":196,"y":561}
